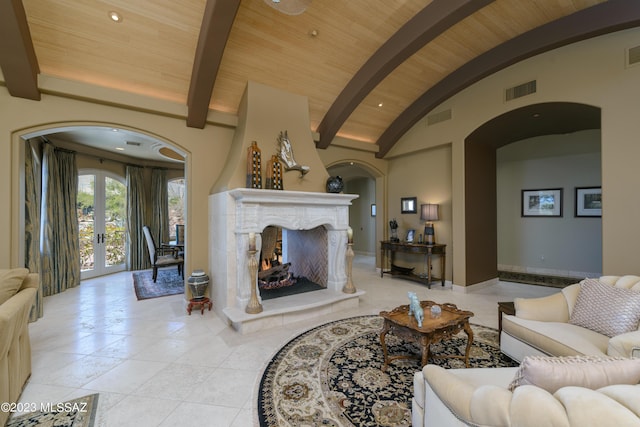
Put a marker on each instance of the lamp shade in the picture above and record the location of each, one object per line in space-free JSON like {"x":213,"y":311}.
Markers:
{"x":429,"y":212}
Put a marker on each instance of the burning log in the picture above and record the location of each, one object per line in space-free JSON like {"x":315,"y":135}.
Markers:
{"x":276,"y":277}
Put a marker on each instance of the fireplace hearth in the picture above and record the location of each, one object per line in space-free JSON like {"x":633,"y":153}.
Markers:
{"x":314,"y":240}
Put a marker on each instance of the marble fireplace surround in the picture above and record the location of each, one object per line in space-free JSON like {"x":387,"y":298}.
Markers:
{"x":236,"y":213}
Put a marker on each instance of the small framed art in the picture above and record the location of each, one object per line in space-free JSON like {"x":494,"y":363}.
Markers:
{"x":544,"y":203}
{"x":411,"y":235}
{"x":589,"y":201}
{"x":409,"y":205}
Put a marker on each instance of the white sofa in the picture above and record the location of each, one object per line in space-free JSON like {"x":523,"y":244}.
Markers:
{"x":541,"y":326}
{"x":18,"y":291}
{"x":583,"y":320}
{"x":480,"y":397}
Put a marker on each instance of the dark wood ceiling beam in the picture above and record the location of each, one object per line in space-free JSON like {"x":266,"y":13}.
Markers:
{"x":17,"y":56}
{"x":214,"y":33}
{"x":426,"y":25}
{"x":604,"y":18}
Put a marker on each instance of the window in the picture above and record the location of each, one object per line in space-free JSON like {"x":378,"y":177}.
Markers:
{"x":175,"y":190}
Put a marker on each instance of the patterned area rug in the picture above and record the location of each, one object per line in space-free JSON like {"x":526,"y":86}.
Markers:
{"x":79,"y":412}
{"x":169,"y":282}
{"x":330,"y":375}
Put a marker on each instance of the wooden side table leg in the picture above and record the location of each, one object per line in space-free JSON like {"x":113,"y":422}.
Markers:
{"x":429,"y":270}
{"x":425,"y":343}
{"x":443,"y":263}
{"x":469,"y":332}
{"x":385,"y":329}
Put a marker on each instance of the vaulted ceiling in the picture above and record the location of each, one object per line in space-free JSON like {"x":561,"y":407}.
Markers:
{"x":370,"y":68}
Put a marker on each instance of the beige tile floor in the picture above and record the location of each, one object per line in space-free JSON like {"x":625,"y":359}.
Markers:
{"x":154,"y":365}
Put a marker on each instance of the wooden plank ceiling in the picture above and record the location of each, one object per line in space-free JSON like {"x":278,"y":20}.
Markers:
{"x":370,"y":68}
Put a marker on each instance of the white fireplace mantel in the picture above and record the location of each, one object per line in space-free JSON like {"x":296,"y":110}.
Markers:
{"x":236,"y":213}
{"x":296,"y":210}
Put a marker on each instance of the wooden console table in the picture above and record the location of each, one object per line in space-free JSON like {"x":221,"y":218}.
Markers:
{"x":389,"y":247}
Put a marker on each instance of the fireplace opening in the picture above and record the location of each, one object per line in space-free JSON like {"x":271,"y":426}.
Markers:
{"x":292,"y":261}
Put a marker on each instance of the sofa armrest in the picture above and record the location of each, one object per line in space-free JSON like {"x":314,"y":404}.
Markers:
{"x":31,"y":281}
{"x":452,"y":391}
{"x":490,"y":406}
{"x":623,"y":345}
{"x":552,"y":308}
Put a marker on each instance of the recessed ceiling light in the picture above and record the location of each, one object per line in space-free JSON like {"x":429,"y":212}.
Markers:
{"x":119,"y":148}
{"x":115,"y":16}
{"x":380,"y":104}
{"x":535,"y":115}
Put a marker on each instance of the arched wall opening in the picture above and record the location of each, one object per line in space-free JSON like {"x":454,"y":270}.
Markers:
{"x":92,"y":159}
{"x":480,"y":195}
{"x":368,"y":213}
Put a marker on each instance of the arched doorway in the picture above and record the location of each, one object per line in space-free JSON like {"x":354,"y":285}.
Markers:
{"x":368,"y":213}
{"x":480,"y":172}
{"x":104,"y":149}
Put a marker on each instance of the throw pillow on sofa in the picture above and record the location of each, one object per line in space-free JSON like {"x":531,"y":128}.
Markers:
{"x":606,"y":309}
{"x":593,"y":372}
{"x":10,"y":282}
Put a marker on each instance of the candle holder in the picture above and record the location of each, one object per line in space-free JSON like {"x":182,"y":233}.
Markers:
{"x":349,"y":288}
{"x":253,"y":306}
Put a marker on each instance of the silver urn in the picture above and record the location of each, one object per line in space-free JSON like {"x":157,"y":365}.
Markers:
{"x":198,"y":282}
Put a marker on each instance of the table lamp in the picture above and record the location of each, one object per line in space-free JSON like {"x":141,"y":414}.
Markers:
{"x":428,"y":213}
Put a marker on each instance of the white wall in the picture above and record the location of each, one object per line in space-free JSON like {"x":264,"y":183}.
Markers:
{"x":565,"y":246}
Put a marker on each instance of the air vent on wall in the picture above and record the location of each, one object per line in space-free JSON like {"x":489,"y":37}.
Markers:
{"x":633,"y":55}
{"x":520,"y":90}
{"x":439,"y":117}
{"x":134,"y":143}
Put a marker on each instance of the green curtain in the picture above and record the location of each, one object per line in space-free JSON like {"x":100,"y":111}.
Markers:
{"x":33,"y":185}
{"x":159,"y":206}
{"x":137,"y":258}
{"x":59,"y":238}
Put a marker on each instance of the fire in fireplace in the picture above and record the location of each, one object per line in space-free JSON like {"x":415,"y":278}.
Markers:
{"x":292,"y":259}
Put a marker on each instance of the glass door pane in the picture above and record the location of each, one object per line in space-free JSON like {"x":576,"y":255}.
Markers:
{"x":86,"y":220}
{"x":114,"y":218}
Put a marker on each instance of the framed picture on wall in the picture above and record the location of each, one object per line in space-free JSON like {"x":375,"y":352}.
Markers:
{"x":588,"y":201}
{"x":408,"y":205}
{"x":543,"y":203}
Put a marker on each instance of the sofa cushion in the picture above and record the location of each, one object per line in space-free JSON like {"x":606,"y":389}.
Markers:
{"x":623,"y":345}
{"x":10,"y":282}
{"x":626,"y":282}
{"x":606,"y":309}
{"x":594,"y":408}
{"x":626,"y":395}
{"x":526,"y":404}
{"x":592,"y":372}
{"x":556,"y":338}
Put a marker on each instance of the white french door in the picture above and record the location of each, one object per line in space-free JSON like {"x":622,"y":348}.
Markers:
{"x":101,"y":219}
